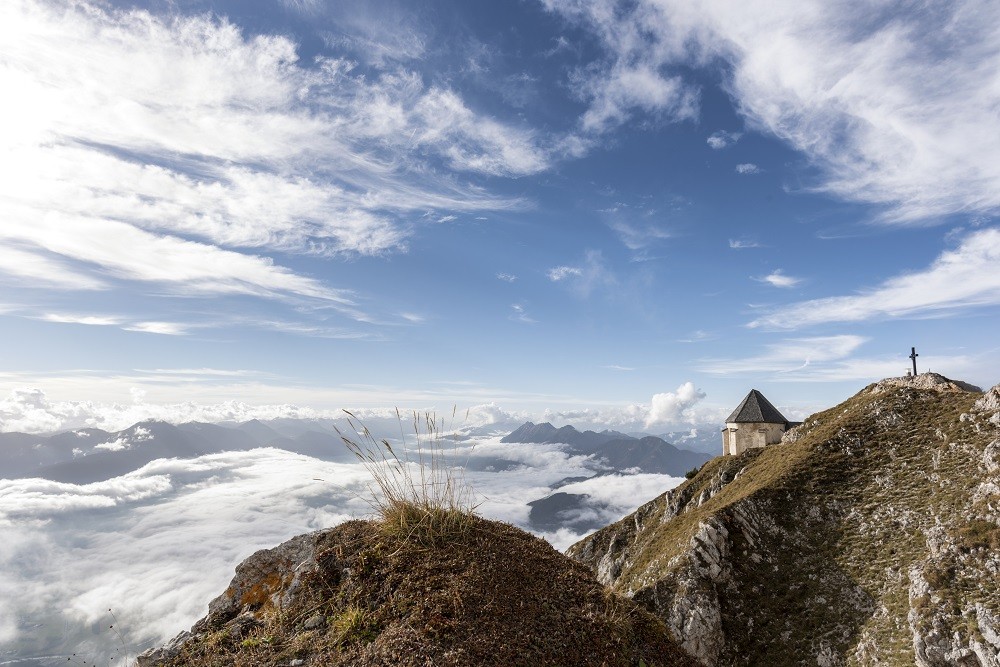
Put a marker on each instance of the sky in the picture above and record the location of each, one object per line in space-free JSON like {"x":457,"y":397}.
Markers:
{"x":623,"y":212}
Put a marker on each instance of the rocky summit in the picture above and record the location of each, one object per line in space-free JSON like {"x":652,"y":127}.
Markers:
{"x":869,"y":536}
{"x":486,"y":595}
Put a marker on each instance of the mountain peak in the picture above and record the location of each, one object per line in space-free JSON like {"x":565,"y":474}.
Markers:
{"x":869,"y":535}
{"x":491,"y":596}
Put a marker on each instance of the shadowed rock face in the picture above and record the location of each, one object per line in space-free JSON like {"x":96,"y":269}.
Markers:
{"x":491,"y":595}
{"x":871,"y":536}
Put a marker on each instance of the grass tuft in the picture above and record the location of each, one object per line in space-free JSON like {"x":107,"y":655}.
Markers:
{"x":420,"y":492}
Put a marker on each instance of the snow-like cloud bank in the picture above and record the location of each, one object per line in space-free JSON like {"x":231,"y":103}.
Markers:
{"x":29,"y":410}
{"x":895,"y":104}
{"x":156,"y":545}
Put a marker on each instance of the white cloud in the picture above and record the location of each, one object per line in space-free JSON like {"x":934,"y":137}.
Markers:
{"x":89,"y":320}
{"x":625,"y":86}
{"x":614,"y":488}
{"x":743,"y":244}
{"x":520,"y":314}
{"x":672,"y":407}
{"x":962,"y":278}
{"x":163,"y":328}
{"x":722,"y":139}
{"x":584,"y":279}
{"x":793,"y":354}
{"x":747,"y":168}
{"x":562,"y":272}
{"x":377,"y":34}
{"x":157,"y":544}
{"x":617,"y":367}
{"x":639,"y":235}
{"x":833,"y":359}
{"x":506,"y":277}
{"x":698,"y":336}
{"x":138,"y":434}
{"x":38,"y":269}
{"x":159,"y":149}
{"x":778,"y":279}
{"x":892,"y":105}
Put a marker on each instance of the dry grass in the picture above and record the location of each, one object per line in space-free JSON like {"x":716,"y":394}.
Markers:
{"x":419,"y":490}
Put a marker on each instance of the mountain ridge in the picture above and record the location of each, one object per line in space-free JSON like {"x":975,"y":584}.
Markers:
{"x":869,"y":536}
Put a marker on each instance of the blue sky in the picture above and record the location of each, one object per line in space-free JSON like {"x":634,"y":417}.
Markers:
{"x":616,"y":213}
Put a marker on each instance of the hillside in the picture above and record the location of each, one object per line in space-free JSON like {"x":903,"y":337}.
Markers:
{"x":870,"y":536}
{"x":490,"y":595}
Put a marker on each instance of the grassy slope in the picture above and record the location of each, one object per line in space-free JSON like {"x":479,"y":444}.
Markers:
{"x":839,"y":519}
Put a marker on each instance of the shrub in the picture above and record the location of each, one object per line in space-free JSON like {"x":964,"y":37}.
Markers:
{"x":419,"y":492}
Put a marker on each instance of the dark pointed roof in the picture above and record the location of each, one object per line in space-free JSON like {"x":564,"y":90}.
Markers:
{"x":756,"y":408}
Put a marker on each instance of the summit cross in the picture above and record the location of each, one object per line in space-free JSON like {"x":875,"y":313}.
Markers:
{"x":913,"y":358}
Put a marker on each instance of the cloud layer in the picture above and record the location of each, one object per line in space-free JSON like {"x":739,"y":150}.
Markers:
{"x":178,"y":154}
{"x":964,"y":277}
{"x":156,"y":545}
{"x":895,"y":105}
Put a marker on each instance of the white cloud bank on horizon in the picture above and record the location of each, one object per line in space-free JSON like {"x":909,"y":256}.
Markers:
{"x":158,"y":544}
{"x":964,"y":277}
{"x":30,"y":410}
{"x":895,"y":106}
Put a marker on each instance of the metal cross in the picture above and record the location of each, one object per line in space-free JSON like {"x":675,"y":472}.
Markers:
{"x":913,"y":356}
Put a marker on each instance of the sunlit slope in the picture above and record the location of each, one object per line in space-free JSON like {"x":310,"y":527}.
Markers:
{"x":869,"y":537}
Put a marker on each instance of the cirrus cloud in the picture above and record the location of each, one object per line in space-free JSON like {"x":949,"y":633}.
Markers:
{"x":182,"y":152}
{"x":893,"y":106}
{"x":961,"y":278}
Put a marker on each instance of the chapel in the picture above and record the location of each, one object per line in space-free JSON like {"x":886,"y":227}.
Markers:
{"x":754,"y":423}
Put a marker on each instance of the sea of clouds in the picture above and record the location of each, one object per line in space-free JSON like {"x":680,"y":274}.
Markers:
{"x":157,"y":544}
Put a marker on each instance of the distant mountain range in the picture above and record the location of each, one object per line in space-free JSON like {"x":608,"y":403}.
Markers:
{"x":93,"y":455}
{"x":611,"y":452}
{"x":618,"y":451}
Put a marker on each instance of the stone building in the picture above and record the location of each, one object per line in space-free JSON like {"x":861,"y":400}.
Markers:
{"x":755,"y":423}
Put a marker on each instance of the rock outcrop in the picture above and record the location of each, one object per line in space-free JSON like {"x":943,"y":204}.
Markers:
{"x":871,"y":535}
{"x":488,"y":595}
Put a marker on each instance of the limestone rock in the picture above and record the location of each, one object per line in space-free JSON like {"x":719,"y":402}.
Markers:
{"x":991,"y":457}
{"x":168,"y":651}
{"x":990,"y":402}
{"x":269,"y":576}
{"x":933,"y":381}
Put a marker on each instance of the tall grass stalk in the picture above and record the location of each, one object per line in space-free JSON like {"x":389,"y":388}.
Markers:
{"x":420,"y":491}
